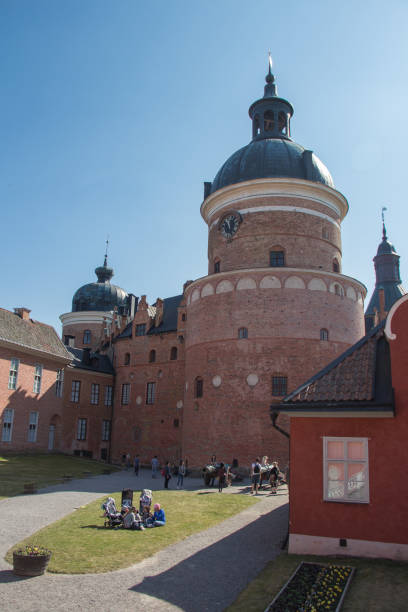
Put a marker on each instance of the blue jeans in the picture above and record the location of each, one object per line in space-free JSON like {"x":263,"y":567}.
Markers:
{"x":180,"y":479}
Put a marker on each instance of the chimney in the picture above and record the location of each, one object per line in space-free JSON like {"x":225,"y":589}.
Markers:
{"x":86,"y":356}
{"x":23,"y":313}
{"x":159,"y":312}
{"x":186,"y":284}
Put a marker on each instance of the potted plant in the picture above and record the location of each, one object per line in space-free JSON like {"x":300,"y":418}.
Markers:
{"x":31,"y":560}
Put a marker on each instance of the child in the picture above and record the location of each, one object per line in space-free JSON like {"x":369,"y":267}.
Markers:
{"x":133,"y":520}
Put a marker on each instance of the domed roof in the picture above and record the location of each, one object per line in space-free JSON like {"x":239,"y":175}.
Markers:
{"x":385,"y":247}
{"x":271,"y":153}
{"x":270,"y":158}
{"x":102,"y":295}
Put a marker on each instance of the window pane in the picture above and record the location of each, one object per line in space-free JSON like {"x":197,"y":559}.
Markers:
{"x":335,"y":450}
{"x":356,"y":450}
{"x":335,"y":480}
{"x":356,"y":483}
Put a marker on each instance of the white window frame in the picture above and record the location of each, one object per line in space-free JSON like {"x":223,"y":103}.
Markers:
{"x":13,"y":373}
{"x":345,"y":461}
{"x":108,"y":395}
{"x":106,"y":430}
{"x":38,"y":370}
{"x":125,"y":395}
{"x":32,"y":427}
{"x":150,"y":393}
{"x":59,"y":383}
{"x":7,"y":426}
{"x":82,"y":429}
{"x":75,"y":391}
{"x":95,"y":394}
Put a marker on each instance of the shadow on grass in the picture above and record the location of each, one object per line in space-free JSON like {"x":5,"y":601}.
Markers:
{"x":95,"y":527}
{"x":222,"y":569}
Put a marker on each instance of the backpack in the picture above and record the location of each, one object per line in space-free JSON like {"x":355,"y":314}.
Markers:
{"x":257,"y":468}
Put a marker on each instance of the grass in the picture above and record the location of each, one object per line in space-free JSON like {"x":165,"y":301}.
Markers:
{"x":80,"y":544}
{"x":377,"y":585}
{"x":44,"y":470}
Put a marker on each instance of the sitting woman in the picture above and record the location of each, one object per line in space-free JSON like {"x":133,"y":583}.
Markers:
{"x":159,"y":518}
{"x":133,"y":520}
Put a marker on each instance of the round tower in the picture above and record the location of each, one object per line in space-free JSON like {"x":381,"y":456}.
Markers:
{"x":275,"y":306}
{"x":94,"y":308}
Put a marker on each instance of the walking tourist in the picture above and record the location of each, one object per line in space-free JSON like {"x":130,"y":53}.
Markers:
{"x":155,"y":466}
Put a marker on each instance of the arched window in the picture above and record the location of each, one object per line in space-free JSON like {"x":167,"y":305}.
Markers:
{"x":152,"y":356}
{"x":277,"y":258}
{"x":243,"y":332}
{"x":198,"y":387}
{"x":173,"y":353}
{"x":338,"y":290}
{"x":336,"y":265}
{"x":269,"y":121}
{"x":324,"y":334}
{"x":217,"y":266}
{"x":255,"y":127}
{"x":87,"y":336}
{"x":282,"y":122}
{"x":127,"y":359}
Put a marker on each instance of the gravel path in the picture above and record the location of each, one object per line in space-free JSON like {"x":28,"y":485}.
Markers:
{"x":204,"y":572}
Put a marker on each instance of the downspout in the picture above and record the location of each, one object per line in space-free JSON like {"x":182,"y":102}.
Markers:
{"x":274,"y":417}
{"x":112,"y":407}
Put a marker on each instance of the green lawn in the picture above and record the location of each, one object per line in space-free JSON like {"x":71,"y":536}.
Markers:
{"x":377,"y":586}
{"x":44,"y":470}
{"x":80,"y":544}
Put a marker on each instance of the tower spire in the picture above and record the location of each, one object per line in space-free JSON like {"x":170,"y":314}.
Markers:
{"x":105,"y":263}
{"x":384,"y":208}
{"x":270,"y":90}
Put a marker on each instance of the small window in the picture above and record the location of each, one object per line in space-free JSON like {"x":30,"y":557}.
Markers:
{"x":141,"y":329}
{"x":199,"y":387}
{"x":106,"y":429}
{"x":127,"y":359}
{"x":87,"y":336}
{"x":184,"y":316}
{"x":108,"y":395}
{"x":325,"y":233}
{"x":176,"y":422}
{"x":150,"y":392}
{"x":75,"y":390}
{"x":152,"y":356}
{"x":59,"y":383}
{"x":279,"y":385}
{"x":255,"y":127}
{"x":243,"y":332}
{"x":32,"y":427}
{"x":324,"y":334}
{"x":173,"y":353}
{"x":217,"y":266}
{"x":345,"y":465}
{"x":125,"y":394}
{"x":336,"y":265}
{"x":7,"y":429}
{"x":37,"y":378}
{"x":81,"y":435}
{"x":94,"y":394}
{"x":277,"y":259}
{"x":13,"y":373}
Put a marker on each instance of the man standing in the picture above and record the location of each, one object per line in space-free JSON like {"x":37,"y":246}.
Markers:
{"x":136,"y":463}
{"x":155,"y":466}
{"x":255,"y":476}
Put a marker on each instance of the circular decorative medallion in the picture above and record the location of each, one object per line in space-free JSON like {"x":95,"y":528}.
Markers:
{"x":138,"y":400}
{"x":179,"y":404}
{"x":216,"y":381}
{"x":252,"y":380}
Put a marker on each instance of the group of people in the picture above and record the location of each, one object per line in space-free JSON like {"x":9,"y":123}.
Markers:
{"x":168,"y":471}
{"x":134,"y":519}
{"x":259,"y":469}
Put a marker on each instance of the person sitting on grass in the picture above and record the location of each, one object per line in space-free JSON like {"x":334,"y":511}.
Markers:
{"x":133,"y":520}
{"x":159,"y":518}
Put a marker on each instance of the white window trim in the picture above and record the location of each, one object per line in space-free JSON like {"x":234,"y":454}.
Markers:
{"x":108,"y":395}
{"x":13,"y":385}
{"x":10,"y":414}
{"x":38,"y":372}
{"x":32,"y":427}
{"x":345,"y":461}
{"x":59,"y":383}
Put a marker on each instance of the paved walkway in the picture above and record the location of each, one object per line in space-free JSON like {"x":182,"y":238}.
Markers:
{"x":204,"y":572}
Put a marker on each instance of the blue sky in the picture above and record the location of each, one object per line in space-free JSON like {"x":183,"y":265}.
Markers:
{"x":113,"y":113}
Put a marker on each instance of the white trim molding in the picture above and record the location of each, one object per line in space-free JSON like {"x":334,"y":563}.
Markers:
{"x":388,"y":324}
{"x":300,"y":544}
{"x":82,"y":317}
{"x":272,"y":208}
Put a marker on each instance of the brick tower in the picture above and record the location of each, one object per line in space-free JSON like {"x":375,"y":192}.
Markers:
{"x":275,"y":306}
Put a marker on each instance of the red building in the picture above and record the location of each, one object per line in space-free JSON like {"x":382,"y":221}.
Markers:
{"x":32,"y":361}
{"x":348,"y":449}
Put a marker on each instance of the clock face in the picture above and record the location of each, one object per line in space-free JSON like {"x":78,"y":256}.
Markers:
{"x":229,"y":226}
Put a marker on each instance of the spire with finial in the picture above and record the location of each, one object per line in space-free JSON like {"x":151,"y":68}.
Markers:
{"x":384,"y":208}
{"x":270,"y":87}
{"x":104,"y":273}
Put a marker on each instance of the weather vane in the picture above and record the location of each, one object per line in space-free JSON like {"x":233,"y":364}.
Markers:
{"x":384,"y":208}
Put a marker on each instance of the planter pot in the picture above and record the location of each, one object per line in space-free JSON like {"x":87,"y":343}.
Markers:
{"x":25,"y":565}
{"x":30,"y":487}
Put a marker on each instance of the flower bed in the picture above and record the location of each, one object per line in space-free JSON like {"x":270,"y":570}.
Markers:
{"x":313,"y":587}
